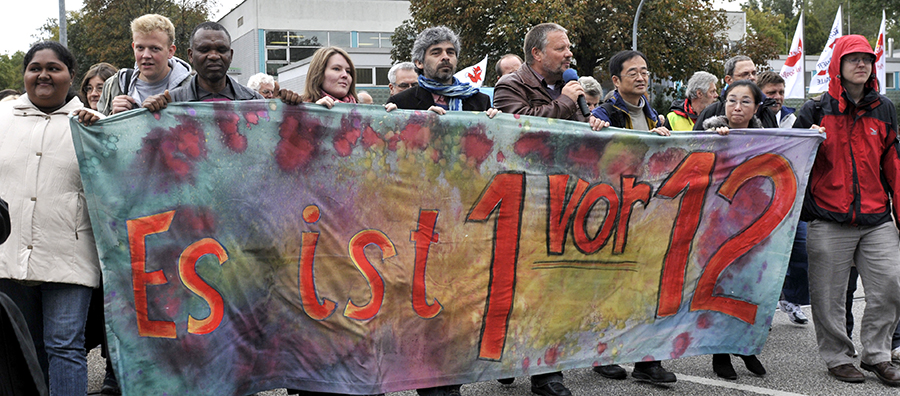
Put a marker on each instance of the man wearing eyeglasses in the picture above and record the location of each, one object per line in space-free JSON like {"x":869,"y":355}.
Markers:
{"x":850,"y":211}
{"x":401,"y":77}
{"x":628,"y":107}
{"x":738,"y":68}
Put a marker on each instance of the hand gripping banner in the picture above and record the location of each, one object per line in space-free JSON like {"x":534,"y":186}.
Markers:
{"x":254,"y":245}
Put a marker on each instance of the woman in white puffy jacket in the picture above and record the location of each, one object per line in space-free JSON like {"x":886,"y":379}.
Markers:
{"x":49,"y":265}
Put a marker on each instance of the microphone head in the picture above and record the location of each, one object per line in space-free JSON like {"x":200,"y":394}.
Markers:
{"x":570,"y":74}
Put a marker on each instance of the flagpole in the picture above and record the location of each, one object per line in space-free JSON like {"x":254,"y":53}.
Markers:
{"x":805,"y":46}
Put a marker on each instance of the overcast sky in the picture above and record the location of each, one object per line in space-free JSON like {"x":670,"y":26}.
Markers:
{"x":25,"y":17}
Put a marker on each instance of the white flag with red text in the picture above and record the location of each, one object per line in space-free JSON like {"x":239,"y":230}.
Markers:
{"x":473,"y":74}
{"x":879,"y":56}
{"x":794,"y":67}
{"x":819,"y":81}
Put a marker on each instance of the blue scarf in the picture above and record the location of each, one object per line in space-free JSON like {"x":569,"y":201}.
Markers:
{"x":455,"y":93}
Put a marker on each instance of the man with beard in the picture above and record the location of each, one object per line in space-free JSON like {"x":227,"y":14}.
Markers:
{"x":537,"y":89}
{"x":210,"y":54}
{"x":435,"y":56}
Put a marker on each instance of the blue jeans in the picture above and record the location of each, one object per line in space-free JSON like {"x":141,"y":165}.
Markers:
{"x":796,"y":280}
{"x":56,"y":314}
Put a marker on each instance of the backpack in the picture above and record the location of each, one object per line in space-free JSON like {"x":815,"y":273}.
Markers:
{"x":817,"y":111}
{"x":128,"y":74}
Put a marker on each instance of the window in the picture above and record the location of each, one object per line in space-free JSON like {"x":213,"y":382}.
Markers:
{"x":381,"y":75}
{"x":283,"y":47}
{"x":276,"y":38}
{"x":276,"y":54}
{"x":364,"y":76}
{"x":298,"y":54}
{"x":308,"y":39}
{"x":339,"y":39}
{"x":240,"y":21}
{"x":889,"y":80}
{"x":374,"y":40}
{"x":272,"y":68}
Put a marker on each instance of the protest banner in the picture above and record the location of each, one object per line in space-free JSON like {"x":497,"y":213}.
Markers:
{"x":255,"y":245}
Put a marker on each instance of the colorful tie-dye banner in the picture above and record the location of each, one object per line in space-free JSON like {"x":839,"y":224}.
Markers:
{"x":254,"y":245}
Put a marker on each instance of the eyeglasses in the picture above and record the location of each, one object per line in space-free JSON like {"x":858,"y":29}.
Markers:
{"x":407,"y":85}
{"x":743,"y":103}
{"x":634,"y":74}
{"x":745,"y":75}
{"x":857,"y":60}
{"x":88,"y":89}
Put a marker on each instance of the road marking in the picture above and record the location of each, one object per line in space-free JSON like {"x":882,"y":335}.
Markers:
{"x":732,"y":385}
{"x":728,"y":384}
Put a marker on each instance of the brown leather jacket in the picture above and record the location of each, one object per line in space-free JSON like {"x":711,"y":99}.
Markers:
{"x":521,"y":92}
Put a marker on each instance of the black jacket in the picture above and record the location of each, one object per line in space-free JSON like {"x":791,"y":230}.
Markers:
{"x":419,"y":98}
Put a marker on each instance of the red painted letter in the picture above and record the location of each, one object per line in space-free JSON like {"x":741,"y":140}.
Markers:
{"x":778,"y":169}
{"x":138,"y":229}
{"x":583,"y":241}
{"x":694,"y":174}
{"x":358,"y":254}
{"x":423,"y":236}
{"x":630,"y":195}
{"x":187,"y":270}
{"x":561,"y":207}
{"x":505,"y":194}
{"x":309,"y":297}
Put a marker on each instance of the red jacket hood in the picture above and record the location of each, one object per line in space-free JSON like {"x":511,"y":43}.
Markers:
{"x":842,"y":46}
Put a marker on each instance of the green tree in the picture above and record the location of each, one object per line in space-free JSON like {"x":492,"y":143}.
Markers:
{"x":767,"y":27}
{"x":678,"y":36}
{"x":11,"y":71}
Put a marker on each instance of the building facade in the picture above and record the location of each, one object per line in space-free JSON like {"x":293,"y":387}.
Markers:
{"x":268,"y":35}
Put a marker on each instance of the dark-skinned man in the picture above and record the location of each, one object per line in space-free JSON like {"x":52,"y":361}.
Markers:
{"x":210,"y":55}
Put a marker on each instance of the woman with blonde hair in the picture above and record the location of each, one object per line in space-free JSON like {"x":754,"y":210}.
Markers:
{"x":331,"y":78}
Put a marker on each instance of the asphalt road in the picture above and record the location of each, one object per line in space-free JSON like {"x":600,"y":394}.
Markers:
{"x":794,"y":368}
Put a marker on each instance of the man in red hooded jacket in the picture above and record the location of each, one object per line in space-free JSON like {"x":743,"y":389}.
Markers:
{"x":848,"y":206}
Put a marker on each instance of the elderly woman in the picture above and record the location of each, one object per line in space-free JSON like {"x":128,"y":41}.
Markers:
{"x":49,"y":265}
{"x":92,"y":83}
{"x":331,"y":78}
{"x":592,"y":91}
{"x":262,"y":83}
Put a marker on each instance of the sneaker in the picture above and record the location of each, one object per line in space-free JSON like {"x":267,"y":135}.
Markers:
{"x":895,"y":355}
{"x":793,"y":311}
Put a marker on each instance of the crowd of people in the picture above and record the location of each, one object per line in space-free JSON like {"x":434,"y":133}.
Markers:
{"x":49,"y":266}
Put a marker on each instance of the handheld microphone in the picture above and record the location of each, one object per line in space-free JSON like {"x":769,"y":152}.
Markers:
{"x":569,"y":75}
